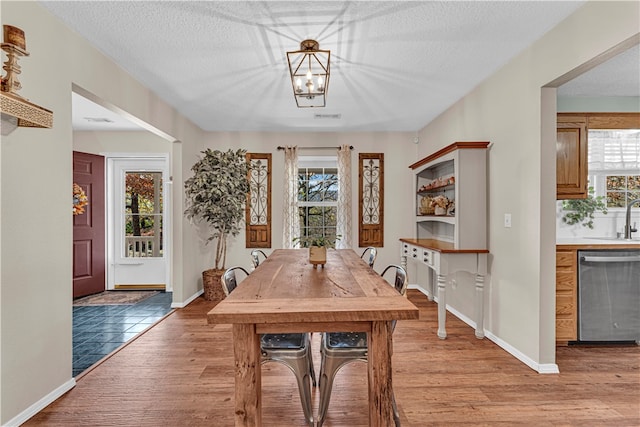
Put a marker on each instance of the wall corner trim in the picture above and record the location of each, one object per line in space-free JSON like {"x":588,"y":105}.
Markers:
{"x":40,"y":404}
{"x":188,"y":301}
{"x":541,"y":368}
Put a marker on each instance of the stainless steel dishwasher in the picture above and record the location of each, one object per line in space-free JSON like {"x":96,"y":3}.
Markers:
{"x":609,"y":295}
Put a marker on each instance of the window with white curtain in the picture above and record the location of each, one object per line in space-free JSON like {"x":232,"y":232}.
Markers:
{"x":614,"y":165}
{"x":318,"y":195}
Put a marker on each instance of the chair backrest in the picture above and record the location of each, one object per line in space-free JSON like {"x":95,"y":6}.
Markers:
{"x":255,"y":257}
{"x":400,"y":282}
{"x":373,"y":253}
{"x":229,"y":280}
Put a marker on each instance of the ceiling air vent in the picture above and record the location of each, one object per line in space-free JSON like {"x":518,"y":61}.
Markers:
{"x":327,"y":116}
{"x":98,"y":120}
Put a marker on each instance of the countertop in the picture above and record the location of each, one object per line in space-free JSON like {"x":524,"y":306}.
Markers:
{"x":598,"y":243}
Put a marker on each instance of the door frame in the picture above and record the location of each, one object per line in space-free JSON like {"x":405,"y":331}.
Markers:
{"x":111,"y":169}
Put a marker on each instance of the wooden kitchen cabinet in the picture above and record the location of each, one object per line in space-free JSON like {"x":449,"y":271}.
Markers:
{"x":571,"y":157}
{"x":566,"y":296}
{"x":572,"y":148}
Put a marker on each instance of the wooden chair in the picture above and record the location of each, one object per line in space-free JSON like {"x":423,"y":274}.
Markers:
{"x":340,"y":348}
{"x":292,"y":350}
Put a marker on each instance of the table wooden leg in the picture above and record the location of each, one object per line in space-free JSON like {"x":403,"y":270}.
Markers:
{"x":380,"y":373}
{"x":246,"y":350}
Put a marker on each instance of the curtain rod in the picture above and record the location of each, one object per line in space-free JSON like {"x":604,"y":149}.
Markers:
{"x":317,"y":148}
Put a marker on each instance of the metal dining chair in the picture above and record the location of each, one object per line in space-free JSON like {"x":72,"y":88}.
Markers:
{"x":340,"y":348}
{"x":292,"y":350}
{"x":373,"y":253}
{"x":256,"y":255}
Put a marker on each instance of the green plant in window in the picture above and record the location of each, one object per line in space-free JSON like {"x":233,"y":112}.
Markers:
{"x":581,"y":211}
{"x":320,"y":241}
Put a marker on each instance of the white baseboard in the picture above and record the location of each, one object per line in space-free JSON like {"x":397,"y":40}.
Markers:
{"x":40,"y":404}
{"x":545,"y":368}
{"x":419,"y":288}
{"x":188,"y":301}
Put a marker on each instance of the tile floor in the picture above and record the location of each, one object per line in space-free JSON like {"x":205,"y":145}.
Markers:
{"x":100,"y":329}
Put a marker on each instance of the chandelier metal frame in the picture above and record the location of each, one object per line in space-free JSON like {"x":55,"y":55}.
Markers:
{"x":309,"y":69}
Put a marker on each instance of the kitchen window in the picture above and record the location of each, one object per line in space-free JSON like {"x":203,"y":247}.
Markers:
{"x":614,"y":161}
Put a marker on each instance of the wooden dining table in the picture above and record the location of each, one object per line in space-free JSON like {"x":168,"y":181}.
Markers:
{"x":287,"y":294}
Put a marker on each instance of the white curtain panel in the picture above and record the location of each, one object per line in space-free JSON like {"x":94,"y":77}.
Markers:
{"x":290,"y":215}
{"x":344,"y":198}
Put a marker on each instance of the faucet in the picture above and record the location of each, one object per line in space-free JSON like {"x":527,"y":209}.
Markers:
{"x":627,"y":225}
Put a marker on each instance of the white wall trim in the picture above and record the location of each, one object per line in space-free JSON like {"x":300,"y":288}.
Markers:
{"x":548,"y":368}
{"x":23,"y":416}
{"x":188,"y":301}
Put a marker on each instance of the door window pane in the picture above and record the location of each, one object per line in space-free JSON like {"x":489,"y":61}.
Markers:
{"x":143,"y":214}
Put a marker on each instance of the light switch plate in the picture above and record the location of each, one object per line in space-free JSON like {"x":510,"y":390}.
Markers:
{"x":507,"y":220}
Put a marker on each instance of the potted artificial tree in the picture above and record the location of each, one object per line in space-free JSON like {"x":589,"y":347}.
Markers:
{"x":216,"y":194}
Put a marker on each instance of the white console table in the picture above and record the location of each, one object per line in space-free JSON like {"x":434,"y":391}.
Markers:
{"x":442,"y":258}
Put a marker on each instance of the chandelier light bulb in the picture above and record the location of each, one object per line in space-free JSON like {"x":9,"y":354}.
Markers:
{"x":298,"y":85}
{"x":309,"y":75}
{"x":320,"y":83}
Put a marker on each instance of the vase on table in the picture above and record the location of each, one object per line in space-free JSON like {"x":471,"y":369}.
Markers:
{"x":318,"y":255}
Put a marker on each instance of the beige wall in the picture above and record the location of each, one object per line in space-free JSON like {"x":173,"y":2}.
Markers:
{"x":506,"y":109}
{"x":399,"y":152}
{"x":35,"y":175}
{"x":36,"y":228}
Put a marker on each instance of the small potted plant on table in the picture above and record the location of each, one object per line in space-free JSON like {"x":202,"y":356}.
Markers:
{"x":317,"y":247}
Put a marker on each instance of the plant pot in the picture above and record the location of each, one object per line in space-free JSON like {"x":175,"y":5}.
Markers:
{"x":317,"y":255}
{"x":440,"y":211}
{"x":212,"y":285}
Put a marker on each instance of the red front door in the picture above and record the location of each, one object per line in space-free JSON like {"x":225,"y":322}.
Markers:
{"x":88,"y":227}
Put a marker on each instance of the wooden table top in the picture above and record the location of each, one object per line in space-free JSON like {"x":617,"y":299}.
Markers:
{"x":285,"y":288}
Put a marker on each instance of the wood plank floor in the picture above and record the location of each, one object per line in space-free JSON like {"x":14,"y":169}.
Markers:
{"x":180,"y":373}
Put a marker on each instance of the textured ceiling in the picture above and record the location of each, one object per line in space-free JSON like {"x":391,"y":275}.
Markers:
{"x":395,"y":65}
{"x":619,"y":76}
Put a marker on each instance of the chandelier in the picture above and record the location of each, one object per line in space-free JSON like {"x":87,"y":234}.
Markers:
{"x":309,"y":70}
